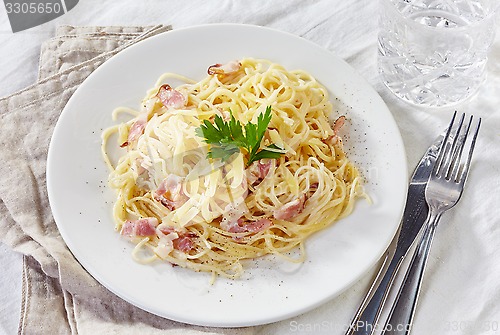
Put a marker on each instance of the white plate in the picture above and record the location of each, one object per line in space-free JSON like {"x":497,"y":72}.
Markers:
{"x":272,"y":290}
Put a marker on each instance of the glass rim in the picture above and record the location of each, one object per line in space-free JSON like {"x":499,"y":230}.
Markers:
{"x":495,"y":9}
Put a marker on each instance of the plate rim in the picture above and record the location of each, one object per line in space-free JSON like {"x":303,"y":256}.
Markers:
{"x":104,"y":282}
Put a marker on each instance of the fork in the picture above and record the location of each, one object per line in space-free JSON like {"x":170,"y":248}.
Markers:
{"x":444,"y":189}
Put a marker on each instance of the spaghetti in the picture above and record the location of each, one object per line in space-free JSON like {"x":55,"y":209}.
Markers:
{"x":209,"y":214}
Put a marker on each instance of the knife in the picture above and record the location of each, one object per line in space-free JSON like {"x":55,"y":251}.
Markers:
{"x":414,"y":215}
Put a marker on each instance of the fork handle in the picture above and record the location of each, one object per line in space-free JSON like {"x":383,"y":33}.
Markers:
{"x":365,"y":320}
{"x":402,"y":311}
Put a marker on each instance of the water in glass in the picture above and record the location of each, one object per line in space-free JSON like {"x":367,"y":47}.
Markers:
{"x":434,"y":52}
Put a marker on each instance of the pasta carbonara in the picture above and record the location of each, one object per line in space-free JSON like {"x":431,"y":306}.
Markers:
{"x":209,"y":214}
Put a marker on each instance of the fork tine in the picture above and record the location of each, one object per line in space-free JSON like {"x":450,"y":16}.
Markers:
{"x":453,"y":149}
{"x":442,"y":149}
{"x":466,"y":167}
{"x":457,"y":157}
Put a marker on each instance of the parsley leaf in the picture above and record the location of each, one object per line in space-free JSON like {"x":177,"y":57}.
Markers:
{"x":226,"y":138}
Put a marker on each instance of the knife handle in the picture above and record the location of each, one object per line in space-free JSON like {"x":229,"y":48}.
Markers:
{"x":365,"y":320}
{"x":400,"y":318}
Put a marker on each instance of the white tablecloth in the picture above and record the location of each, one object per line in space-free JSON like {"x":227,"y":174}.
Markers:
{"x":461,"y":292}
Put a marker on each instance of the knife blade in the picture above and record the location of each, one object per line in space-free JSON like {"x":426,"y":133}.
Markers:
{"x":414,"y":215}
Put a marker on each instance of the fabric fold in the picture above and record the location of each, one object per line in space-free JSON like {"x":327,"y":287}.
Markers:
{"x":59,"y":296}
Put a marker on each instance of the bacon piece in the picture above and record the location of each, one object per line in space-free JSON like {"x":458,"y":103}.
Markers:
{"x":145,"y":228}
{"x":170,"y":194}
{"x":183,"y":243}
{"x":228,"y":68}
{"x":135,"y":131}
{"x":240,"y":226}
{"x":170,"y":97}
{"x":258,"y":171}
{"x":171,"y":185}
{"x":127,"y":228}
{"x":180,"y":241}
{"x":165,"y":245}
{"x":141,"y":227}
{"x":291,"y":209}
{"x":234,"y":227}
{"x":233,"y":214}
{"x":259,"y":225}
{"x":335,"y":138}
{"x":338,"y":124}
{"x":166,"y":230}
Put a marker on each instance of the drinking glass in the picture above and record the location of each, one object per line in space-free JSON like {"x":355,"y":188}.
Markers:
{"x":434,"y":52}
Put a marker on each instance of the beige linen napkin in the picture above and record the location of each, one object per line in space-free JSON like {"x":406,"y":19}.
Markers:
{"x":59,"y":296}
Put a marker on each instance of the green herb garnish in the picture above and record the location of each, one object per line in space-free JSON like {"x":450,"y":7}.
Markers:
{"x":226,"y":138}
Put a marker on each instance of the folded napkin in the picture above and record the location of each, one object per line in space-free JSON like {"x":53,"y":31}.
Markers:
{"x":59,"y":296}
